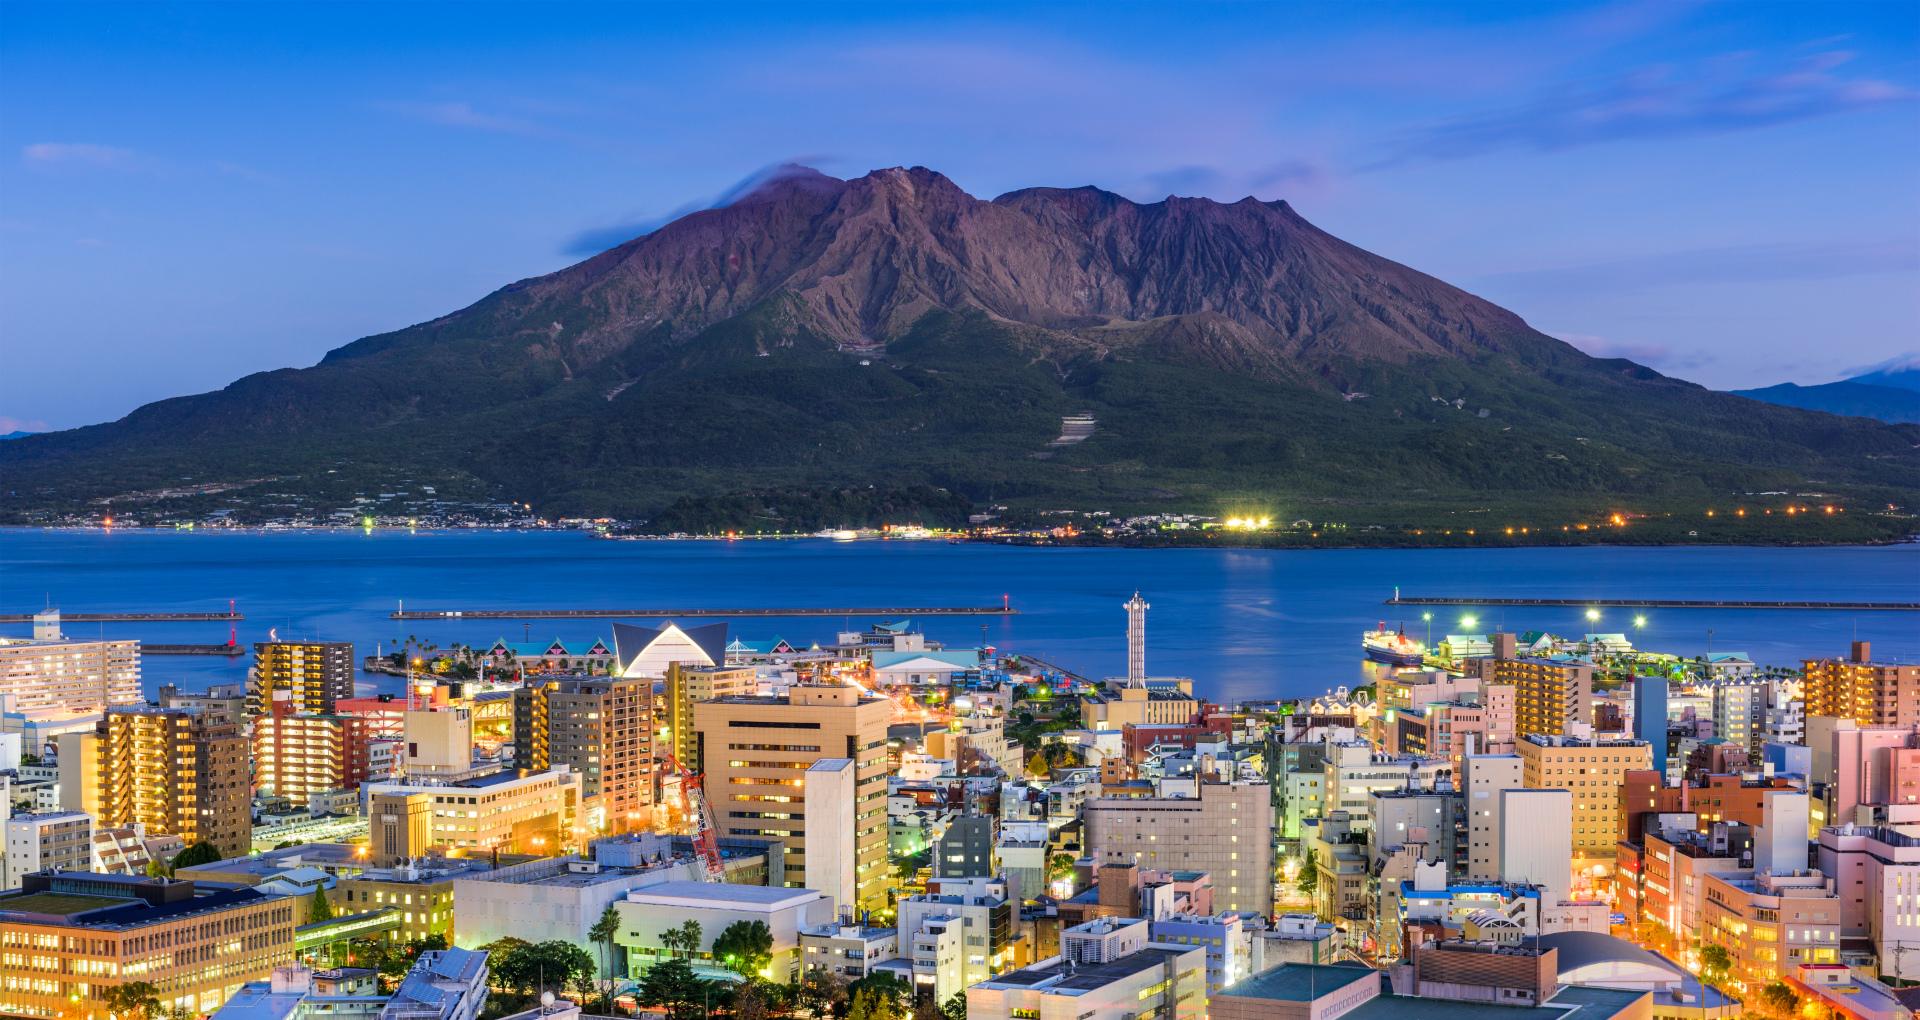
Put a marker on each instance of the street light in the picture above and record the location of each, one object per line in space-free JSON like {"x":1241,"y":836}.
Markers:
{"x":1640,"y":622}
{"x":1469,"y":621}
{"x":1593,"y":616}
{"x":1428,"y":617}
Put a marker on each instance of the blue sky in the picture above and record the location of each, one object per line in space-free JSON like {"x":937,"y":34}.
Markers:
{"x":1730,"y":193}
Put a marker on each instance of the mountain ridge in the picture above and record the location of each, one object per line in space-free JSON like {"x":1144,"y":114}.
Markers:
{"x":893,"y":330}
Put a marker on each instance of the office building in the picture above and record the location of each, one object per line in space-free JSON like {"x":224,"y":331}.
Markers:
{"x":1592,"y":770}
{"x":648,"y":913}
{"x":1484,"y":776}
{"x":47,"y":841}
{"x":557,"y":898}
{"x":1876,"y":872}
{"x":69,"y":937}
{"x":443,"y":984}
{"x":1225,"y":830}
{"x":1354,"y":772}
{"x":848,"y":949}
{"x":957,"y":936}
{"x":296,"y":755}
{"x":512,"y":812}
{"x":1867,"y":692}
{"x":1107,"y":970}
{"x":688,"y":685}
{"x":172,"y":771}
{"x":756,"y":752}
{"x":49,"y":677}
{"x":602,"y":729}
{"x":318,"y":675}
{"x":1536,"y":839}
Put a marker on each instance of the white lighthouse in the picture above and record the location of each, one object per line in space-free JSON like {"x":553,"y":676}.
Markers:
{"x":1137,"y":640}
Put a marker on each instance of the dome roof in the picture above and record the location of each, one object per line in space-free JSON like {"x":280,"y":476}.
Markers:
{"x":1579,"y":950}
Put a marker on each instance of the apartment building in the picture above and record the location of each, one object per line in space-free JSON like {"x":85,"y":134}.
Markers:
{"x":318,"y":675}
{"x":1550,"y":695}
{"x":602,"y":729}
{"x":49,"y":677}
{"x":1867,"y":692}
{"x":173,"y":771}
{"x":297,"y":754}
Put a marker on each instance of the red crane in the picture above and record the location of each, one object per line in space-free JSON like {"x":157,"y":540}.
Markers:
{"x":706,"y":839}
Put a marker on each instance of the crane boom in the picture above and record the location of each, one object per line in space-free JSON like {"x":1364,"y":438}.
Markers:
{"x":706,"y":837}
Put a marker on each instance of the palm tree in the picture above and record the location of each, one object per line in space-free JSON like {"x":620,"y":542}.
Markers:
{"x":602,"y":932}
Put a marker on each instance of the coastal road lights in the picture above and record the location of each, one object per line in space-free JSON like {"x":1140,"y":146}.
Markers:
{"x":1593,"y":616}
{"x":1469,"y":621}
{"x":1428,"y":617}
{"x":1640,"y":622}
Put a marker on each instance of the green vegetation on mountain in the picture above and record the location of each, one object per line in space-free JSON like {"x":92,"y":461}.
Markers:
{"x":837,"y":354}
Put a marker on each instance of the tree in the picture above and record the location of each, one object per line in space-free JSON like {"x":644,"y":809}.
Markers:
{"x":602,"y":934}
{"x":820,"y":992}
{"x":1309,"y":881}
{"x":882,"y":995}
{"x":202,"y":852}
{"x":1780,"y":998}
{"x":133,"y":999}
{"x":955,"y":1008}
{"x":1715,"y":963}
{"x":751,"y":1002}
{"x":746,"y":947}
{"x":1037,"y":765}
{"x":507,"y":965}
{"x":320,"y":909}
{"x":674,"y":987}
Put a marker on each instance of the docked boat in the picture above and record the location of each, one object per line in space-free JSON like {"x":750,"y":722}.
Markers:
{"x":1393,"y":647}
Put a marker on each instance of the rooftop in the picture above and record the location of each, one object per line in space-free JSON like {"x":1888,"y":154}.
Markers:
{"x":709,"y":894}
{"x":1055,"y":977}
{"x":1299,"y":982}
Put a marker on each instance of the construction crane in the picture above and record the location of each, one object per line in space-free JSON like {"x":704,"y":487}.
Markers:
{"x":706,"y":839}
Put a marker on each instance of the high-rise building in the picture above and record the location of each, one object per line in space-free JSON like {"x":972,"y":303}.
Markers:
{"x":1550,"y":695}
{"x":68,"y":938}
{"x":1867,"y":692}
{"x":1225,"y":831}
{"x":1650,"y":716}
{"x":756,"y":750}
{"x":688,"y":685}
{"x":1740,"y":713}
{"x":296,"y":754}
{"x":51,"y":677}
{"x":176,"y":772}
{"x":1593,"y":771}
{"x":601,"y":728}
{"x":318,"y":673}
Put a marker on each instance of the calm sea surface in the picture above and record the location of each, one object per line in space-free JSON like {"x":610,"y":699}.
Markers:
{"x":1244,"y":624}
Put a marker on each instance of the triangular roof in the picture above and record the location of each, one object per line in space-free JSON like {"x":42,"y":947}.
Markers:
{"x":646,"y":651}
{"x":933,"y":660}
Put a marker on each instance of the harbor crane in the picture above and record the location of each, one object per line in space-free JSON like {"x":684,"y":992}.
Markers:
{"x":706,"y":838}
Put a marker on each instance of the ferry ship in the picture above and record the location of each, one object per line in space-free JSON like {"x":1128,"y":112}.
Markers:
{"x":1393,"y":647}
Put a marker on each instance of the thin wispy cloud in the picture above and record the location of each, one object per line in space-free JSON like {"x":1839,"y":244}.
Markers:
{"x":1712,"y":97}
{"x":618,"y":231}
{"x":77,"y":154}
{"x":1758,"y":263}
{"x":460,"y":114}
{"x":11,"y":424}
{"x":1645,"y":352}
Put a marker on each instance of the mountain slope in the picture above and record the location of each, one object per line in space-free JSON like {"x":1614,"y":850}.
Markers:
{"x":893,"y":331}
{"x":1862,"y":400}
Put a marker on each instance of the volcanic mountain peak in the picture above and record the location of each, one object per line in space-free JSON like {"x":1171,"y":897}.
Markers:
{"x":858,"y":262}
